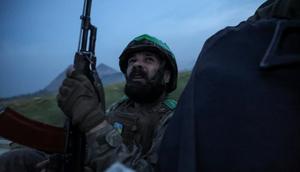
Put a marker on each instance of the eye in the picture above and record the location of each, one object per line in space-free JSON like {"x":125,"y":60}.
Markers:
{"x":131,"y":60}
{"x":149,"y":59}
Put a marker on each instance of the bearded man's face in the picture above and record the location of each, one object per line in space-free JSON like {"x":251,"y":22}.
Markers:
{"x":144,"y":77}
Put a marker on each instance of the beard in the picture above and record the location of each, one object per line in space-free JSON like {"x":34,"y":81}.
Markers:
{"x":145,"y":92}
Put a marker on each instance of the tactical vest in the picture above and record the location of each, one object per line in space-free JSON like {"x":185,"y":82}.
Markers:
{"x":137,"y":126}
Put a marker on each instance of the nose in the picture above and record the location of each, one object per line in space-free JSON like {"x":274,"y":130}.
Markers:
{"x":137,"y":63}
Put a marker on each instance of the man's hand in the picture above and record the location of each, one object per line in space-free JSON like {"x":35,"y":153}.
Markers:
{"x":78,"y":100}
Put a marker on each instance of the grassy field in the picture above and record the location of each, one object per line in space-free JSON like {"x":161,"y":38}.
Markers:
{"x":44,"y":108}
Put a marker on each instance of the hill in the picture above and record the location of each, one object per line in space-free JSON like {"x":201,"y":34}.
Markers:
{"x":43,"y":107}
{"x":107,"y":74}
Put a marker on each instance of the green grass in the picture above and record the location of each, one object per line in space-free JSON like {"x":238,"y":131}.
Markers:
{"x":182,"y":81}
{"x":45,"y":109}
{"x":113,"y":93}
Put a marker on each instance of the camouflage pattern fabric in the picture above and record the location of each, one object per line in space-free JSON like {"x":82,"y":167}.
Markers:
{"x":108,"y":145}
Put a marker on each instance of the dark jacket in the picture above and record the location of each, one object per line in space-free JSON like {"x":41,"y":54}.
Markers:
{"x":240,"y":110}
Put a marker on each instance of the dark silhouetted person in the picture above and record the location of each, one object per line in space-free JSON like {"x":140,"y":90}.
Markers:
{"x":240,"y":111}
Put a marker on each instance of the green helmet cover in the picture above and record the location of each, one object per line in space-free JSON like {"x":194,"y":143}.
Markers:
{"x":146,"y":42}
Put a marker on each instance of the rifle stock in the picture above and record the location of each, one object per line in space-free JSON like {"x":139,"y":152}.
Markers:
{"x":19,"y":129}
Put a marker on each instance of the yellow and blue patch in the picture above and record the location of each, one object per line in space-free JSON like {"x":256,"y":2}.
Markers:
{"x":118,"y":126}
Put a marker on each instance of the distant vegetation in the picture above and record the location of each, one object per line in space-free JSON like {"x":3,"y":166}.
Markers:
{"x":44,"y":108}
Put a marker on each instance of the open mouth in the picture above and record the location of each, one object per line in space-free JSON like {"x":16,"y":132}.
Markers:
{"x":137,"y":76}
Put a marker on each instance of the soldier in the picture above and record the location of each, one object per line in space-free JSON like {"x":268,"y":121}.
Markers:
{"x":132,"y":129}
{"x":240,"y":109}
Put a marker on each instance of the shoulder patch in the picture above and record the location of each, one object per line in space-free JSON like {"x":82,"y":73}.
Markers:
{"x":170,"y":103}
{"x":118,"y":126}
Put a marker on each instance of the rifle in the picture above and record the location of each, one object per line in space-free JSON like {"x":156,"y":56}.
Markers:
{"x":84,"y":62}
{"x":67,"y":145}
{"x":17,"y":128}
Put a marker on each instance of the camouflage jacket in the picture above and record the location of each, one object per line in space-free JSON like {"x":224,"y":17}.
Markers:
{"x":132,"y":137}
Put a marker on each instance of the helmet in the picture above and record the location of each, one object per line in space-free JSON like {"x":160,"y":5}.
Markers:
{"x":150,"y":43}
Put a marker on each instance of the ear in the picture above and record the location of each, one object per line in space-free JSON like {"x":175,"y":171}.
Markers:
{"x":167,"y":76}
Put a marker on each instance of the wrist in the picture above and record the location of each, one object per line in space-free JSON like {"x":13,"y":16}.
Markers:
{"x":93,"y":118}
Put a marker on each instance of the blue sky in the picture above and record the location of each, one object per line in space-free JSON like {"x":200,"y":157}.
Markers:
{"x":39,"y":37}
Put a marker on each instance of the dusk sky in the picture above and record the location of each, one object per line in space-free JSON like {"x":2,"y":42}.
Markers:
{"x":39,"y":37}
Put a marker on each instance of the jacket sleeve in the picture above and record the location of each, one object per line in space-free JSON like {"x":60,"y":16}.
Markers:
{"x":105,"y":146}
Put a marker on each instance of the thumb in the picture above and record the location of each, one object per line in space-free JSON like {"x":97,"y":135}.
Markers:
{"x":70,"y":70}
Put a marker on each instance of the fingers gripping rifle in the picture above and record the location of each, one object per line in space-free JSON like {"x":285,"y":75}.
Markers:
{"x":84,"y":62}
